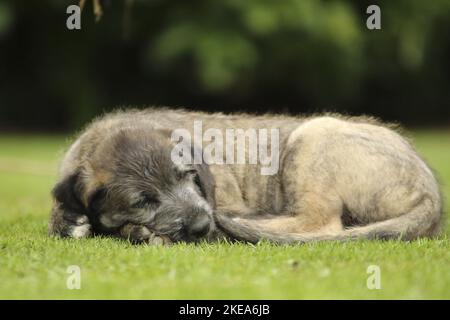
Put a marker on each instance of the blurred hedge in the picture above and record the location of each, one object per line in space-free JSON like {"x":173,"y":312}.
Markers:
{"x":255,"y":55}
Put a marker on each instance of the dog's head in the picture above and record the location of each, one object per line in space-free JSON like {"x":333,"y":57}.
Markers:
{"x":130,"y":178}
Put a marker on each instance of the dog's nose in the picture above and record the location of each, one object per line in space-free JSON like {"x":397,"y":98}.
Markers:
{"x":199,"y":227}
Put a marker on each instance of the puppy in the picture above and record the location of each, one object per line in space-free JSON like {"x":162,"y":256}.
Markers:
{"x":339,"y":178}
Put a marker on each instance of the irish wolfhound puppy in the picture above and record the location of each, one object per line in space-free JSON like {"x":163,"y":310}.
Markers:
{"x":338,"y":178}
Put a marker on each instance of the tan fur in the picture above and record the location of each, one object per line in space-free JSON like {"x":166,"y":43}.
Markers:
{"x":340,"y":177}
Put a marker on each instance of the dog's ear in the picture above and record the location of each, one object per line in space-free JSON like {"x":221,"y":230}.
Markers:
{"x":205,"y":181}
{"x":68,"y":194}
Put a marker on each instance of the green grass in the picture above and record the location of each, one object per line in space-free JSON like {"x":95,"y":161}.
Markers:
{"x":33,"y":265}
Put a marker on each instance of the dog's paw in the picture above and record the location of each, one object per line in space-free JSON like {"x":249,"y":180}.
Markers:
{"x":135,"y":233}
{"x":159,"y":240}
{"x":69,"y":225}
{"x":80,"y":228}
{"x":141,"y":234}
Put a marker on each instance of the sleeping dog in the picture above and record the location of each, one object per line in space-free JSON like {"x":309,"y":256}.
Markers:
{"x":337,"y":178}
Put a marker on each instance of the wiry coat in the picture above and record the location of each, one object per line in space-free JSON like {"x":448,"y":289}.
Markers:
{"x":339,"y":178}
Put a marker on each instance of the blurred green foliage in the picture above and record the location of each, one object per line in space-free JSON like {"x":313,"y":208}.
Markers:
{"x":230,"y":55}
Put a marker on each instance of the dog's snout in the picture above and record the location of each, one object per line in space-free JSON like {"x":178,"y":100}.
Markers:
{"x":199,"y":226}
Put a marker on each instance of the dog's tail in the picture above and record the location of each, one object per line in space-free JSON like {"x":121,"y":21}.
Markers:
{"x":422,"y":221}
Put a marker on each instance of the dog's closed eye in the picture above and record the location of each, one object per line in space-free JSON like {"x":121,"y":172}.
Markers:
{"x":191,"y":171}
{"x":146,"y":201}
{"x":186,"y":172}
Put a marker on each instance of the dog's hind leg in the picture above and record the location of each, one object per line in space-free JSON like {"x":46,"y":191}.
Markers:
{"x":309,"y":213}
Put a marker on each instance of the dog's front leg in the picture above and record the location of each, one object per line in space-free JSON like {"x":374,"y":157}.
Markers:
{"x":65,"y":223}
{"x":141,"y":234}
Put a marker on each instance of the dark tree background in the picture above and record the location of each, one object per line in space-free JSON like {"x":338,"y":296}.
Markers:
{"x":293,"y":56}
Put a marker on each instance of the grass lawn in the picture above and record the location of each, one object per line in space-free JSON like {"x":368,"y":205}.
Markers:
{"x":34,"y":266}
